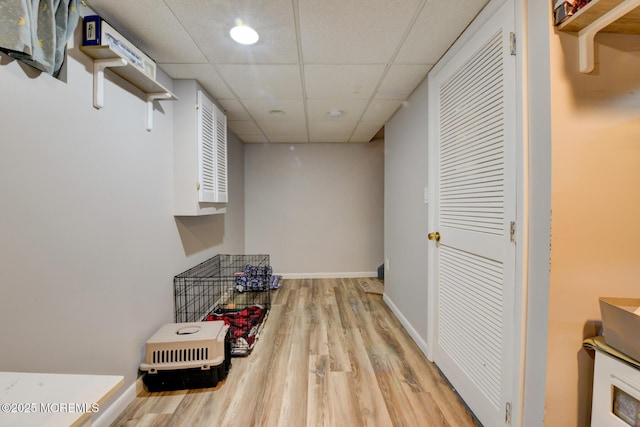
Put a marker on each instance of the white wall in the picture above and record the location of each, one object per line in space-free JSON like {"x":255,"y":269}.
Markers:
{"x":405,"y":230}
{"x":316,"y":209}
{"x":88,"y":242}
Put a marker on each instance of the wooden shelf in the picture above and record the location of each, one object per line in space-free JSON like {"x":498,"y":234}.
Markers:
{"x":609,"y":16}
{"x":628,"y":24}
{"x":105,"y":57}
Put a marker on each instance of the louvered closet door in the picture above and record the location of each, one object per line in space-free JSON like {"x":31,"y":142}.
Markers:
{"x":472,"y":166}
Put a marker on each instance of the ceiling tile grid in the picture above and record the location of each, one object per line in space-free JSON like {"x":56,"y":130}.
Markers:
{"x":358,"y":60}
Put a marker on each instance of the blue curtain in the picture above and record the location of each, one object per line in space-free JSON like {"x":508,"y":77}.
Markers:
{"x":37,"y":31}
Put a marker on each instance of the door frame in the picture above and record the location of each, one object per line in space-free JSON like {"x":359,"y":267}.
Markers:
{"x":522,"y":215}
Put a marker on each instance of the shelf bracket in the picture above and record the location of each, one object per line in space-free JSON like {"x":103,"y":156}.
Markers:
{"x":98,"y":78}
{"x":587,"y":35}
{"x":150,"y":97}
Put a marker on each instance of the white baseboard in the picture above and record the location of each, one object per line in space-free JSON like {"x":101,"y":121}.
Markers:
{"x":104,"y":419}
{"x":350,"y":275}
{"x":420,"y":342}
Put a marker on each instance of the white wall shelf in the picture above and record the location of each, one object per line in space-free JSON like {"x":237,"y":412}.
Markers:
{"x":607,"y":16}
{"x":105,"y":57}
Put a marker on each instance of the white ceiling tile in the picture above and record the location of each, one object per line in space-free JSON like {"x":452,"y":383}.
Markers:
{"x":254,"y":139}
{"x":355,"y":31}
{"x":401,"y":80}
{"x":244,"y":127}
{"x":204,"y":73}
{"x":263,"y":81}
{"x":233,"y":109}
{"x":381,"y":110}
{"x":260,"y":109}
{"x":318,"y":109}
{"x":281,"y":127}
{"x":365,"y":131}
{"x":331,"y":130}
{"x":342,"y":81}
{"x":208,"y":23}
{"x":438,"y":26}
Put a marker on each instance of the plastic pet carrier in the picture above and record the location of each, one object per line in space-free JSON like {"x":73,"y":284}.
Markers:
{"x":187,"y":355}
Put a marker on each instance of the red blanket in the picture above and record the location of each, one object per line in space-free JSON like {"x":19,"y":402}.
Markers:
{"x":244,"y":324}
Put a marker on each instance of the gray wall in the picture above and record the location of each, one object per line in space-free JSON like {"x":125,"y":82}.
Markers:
{"x":89,"y":245}
{"x":317,"y":209}
{"x":405,"y":225}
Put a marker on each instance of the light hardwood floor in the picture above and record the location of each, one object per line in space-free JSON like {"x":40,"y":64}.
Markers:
{"x":329,"y":355}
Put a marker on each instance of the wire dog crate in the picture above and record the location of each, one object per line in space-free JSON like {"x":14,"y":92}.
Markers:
{"x":233,"y":288}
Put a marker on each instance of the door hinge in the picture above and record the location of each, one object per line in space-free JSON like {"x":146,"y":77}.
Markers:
{"x":507,"y":413}
{"x":512,"y":232}
{"x":512,"y":43}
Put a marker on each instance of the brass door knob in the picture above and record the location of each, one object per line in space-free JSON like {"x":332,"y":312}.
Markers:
{"x":434,"y":236}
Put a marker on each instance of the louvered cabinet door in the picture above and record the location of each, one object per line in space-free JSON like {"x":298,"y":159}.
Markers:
{"x":206,"y":149}
{"x":473,"y":165}
{"x":200,"y":185}
{"x":212,"y":152}
{"x":221,"y":188}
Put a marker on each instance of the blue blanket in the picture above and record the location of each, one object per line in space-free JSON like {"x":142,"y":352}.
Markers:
{"x":253,"y":278}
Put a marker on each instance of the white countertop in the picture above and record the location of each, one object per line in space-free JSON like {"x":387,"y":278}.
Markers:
{"x":34,"y":399}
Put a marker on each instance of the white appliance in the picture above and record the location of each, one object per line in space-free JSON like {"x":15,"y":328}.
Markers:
{"x":616,"y":392}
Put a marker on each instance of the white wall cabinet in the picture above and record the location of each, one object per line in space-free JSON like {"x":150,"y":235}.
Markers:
{"x":199,"y":152}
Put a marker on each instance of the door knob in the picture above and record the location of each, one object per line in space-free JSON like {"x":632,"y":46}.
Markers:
{"x":434,"y":236}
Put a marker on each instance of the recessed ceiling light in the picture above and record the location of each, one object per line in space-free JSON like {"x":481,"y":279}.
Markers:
{"x":277,"y":112}
{"x":335,"y":113}
{"x":243,"y":34}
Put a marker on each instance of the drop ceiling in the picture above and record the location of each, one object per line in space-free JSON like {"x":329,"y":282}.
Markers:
{"x":360,"y":57}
